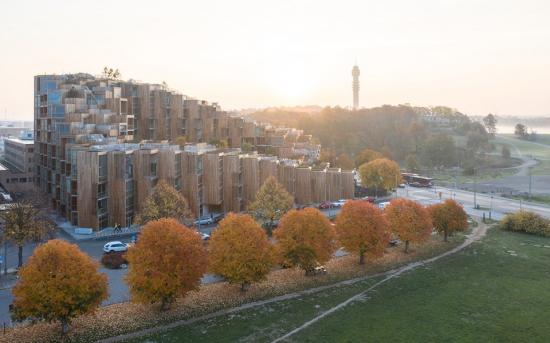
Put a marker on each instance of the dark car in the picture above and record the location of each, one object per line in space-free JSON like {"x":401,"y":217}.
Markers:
{"x":325,"y":205}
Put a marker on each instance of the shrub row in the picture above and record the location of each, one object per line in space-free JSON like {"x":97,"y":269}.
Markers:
{"x":528,"y":222}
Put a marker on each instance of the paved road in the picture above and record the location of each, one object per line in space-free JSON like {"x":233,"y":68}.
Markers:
{"x":495,"y":205}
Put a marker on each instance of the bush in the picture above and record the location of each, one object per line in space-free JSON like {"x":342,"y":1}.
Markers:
{"x":113,"y":260}
{"x":528,"y":222}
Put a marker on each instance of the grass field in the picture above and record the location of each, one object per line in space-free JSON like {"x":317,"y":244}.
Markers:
{"x":495,"y":290}
{"x":539,"y":150}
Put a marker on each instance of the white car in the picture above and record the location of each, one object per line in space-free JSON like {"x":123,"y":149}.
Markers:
{"x":205,"y":236}
{"x":339,"y":203}
{"x":383,"y":205}
{"x":204,"y":221}
{"x":115,"y":246}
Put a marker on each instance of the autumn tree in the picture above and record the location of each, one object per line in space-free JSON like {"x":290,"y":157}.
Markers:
{"x":520,"y":130}
{"x":380,"y":174}
{"x":58,"y":283}
{"x":181,"y":140}
{"x":344,"y":161}
{"x":362,"y":229}
{"x":240,"y":250}
{"x":167,"y":261}
{"x":164,"y":202}
{"x":271,"y":203}
{"x":409,"y":220}
{"x":305,"y":238}
{"x":366,"y":156}
{"x":24,"y":222}
{"x":448,"y":217}
{"x":490,"y":123}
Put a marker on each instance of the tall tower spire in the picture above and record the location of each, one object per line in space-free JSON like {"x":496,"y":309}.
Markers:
{"x":355,"y":86}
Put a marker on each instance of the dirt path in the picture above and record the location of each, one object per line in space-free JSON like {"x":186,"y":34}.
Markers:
{"x":476,"y":234}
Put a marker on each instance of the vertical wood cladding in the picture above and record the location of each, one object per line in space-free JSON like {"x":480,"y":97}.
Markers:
{"x":250,"y":169}
{"x":116,"y":191}
{"x":286,"y":175}
{"x":303,"y":186}
{"x":318,"y":186}
{"x":268,"y":167}
{"x":231,"y":183}
{"x":87,"y":162}
{"x":334,"y":184}
{"x":212,"y":178}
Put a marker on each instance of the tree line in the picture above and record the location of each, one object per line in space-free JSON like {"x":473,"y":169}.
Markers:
{"x":401,"y":133}
{"x":169,"y":258}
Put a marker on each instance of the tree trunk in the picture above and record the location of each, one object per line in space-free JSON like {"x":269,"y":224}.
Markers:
{"x":406,"y":247}
{"x":64,"y":326}
{"x":361,"y":258}
{"x":166,"y":304}
{"x":20,"y":255}
{"x":245,"y":286}
{"x":445,"y":235}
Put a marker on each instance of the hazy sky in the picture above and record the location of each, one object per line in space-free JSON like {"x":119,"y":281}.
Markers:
{"x":479,"y":56}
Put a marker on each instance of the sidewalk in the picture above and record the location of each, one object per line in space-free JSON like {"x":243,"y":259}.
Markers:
{"x":9,"y":280}
{"x":71,"y":230}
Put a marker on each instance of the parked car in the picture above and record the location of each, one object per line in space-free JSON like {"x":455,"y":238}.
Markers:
{"x":383,"y":205}
{"x":206,"y":220}
{"x":339,"y":203}
{"x":204,"y":236}
{"x":218,"y":217}
{"x":368,"y":198}
{"x":325,"y":205}
{"x":115,"y":246}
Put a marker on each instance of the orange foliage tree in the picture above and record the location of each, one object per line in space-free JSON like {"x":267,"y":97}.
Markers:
{"x":448,"y":217}
{"x":240,"y":250}
{"x":167,"y":261}
{"x":380,"y":174}
{"x":362,"y":229}
{"x":305,"y":238}
{"x":58,"y":283}
{"x":409,"y":220}
{"x":366,"y":156}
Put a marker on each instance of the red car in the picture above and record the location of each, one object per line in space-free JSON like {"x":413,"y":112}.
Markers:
{"x":325,"y":205}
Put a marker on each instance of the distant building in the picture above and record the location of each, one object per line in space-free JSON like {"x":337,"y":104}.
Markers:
{"x":17,"y":174}
{"x":355,"y":86}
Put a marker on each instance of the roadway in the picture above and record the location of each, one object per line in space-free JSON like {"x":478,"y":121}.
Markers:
{"x":489,"y":204}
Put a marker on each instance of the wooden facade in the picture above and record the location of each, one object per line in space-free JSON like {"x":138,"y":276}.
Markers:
{"x":250,"y":172}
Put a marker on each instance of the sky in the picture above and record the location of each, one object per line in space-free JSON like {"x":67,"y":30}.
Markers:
{"x":479,"y":56}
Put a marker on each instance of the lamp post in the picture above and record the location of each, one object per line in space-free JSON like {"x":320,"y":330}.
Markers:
{"x":491,"y":207}
{"x":475,"y":188}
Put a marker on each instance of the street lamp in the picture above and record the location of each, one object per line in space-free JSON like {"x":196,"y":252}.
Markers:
{"x":491,"y":207}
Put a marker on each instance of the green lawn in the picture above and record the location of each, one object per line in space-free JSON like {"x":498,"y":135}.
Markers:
{"x":495,"y":290}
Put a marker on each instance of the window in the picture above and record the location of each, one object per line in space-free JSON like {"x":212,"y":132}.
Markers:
{"x":103,"y":166}
{"x":153,"y":168}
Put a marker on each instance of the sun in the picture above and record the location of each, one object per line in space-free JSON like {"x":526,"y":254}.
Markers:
{"x":290,"y":83}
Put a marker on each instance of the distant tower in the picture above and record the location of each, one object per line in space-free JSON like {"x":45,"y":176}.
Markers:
{"x":355,"y":85}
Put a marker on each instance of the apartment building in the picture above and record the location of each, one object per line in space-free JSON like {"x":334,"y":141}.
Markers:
{"x":101,"y":145}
